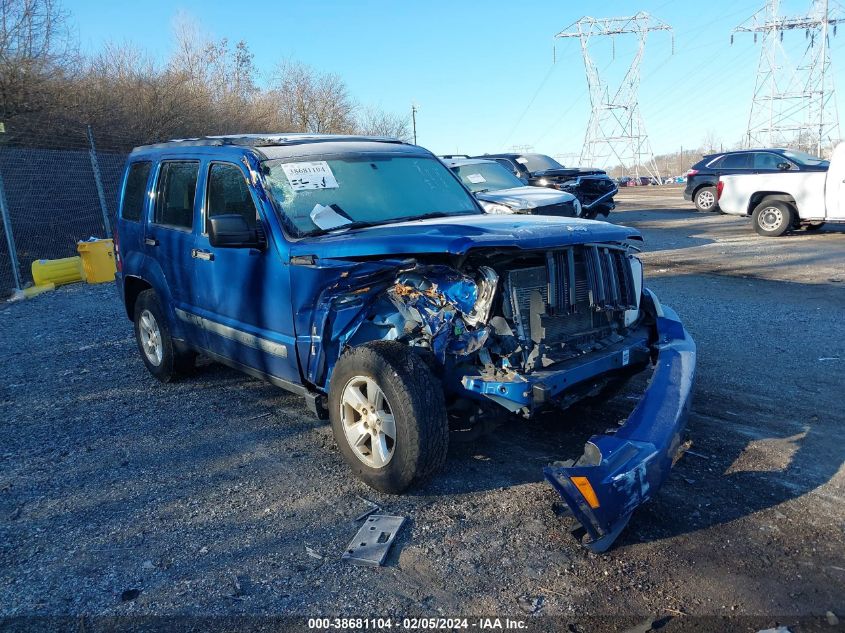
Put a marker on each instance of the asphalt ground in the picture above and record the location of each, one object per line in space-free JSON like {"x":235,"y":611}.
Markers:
{"x":223,"y":496}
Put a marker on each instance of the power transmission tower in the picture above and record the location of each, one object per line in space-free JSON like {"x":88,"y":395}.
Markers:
{"x":793,"y":105}
{"x":616,"y":130}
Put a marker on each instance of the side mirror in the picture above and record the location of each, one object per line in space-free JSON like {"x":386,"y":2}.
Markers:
{"x":784,"y":166}
{"x":232,"y":231}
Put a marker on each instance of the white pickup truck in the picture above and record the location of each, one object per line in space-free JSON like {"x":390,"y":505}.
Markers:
{"x":787,"y":200}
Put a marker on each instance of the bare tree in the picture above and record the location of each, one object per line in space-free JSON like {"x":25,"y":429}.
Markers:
{"x":34,"y":49}
{"x":711,"y":142}
{"x":375,"y":122}
{"x":311,"y":101}
{"x":207,"y":86}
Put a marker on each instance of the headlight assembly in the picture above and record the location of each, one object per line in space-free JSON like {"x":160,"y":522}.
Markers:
{"x":495,"y":209}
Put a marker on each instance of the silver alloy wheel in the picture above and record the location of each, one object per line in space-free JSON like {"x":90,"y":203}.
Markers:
{"x":368,"y":422}
{"x":770,"y":219}
{"x":150,"y":335}
{"x":706,"y":199}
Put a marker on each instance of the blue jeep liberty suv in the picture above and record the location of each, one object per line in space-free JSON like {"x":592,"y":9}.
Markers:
{"x":360,"y":273}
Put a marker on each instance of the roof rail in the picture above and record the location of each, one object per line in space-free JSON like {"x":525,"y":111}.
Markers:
{"x":266,"y":140}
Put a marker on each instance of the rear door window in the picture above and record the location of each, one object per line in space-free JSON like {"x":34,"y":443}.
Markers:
{"x":736,"y":161}
{"x":134,"y":194}
{"x":177,"y":187}
{"x":229,"y":194}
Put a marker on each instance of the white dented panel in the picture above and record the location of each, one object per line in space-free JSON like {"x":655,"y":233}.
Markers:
{"x":835,"y":190}
{"x":807,"y":189}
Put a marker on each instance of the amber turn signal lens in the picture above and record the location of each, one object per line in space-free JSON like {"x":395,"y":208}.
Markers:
{"x":584,"y":487}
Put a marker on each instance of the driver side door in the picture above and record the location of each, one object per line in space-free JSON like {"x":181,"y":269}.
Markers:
{"x":243,"y":293}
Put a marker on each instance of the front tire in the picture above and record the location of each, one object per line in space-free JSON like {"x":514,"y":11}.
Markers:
{"x":158,"y":350}
{"x":388,"y":415}
{"x":772,"y":218}
{"x":705,"y":199}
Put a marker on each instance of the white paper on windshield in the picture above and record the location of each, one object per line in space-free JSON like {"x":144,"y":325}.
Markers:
{"x":522,"y":161}
{"x":476,"y":178}
{"x":327,"y":218}
{"x":313,"y":175}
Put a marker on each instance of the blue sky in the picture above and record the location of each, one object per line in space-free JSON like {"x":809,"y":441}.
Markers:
{"x":482,"y":73}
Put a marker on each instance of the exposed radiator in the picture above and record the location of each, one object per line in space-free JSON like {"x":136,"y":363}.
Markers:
{"x":583,"y":291}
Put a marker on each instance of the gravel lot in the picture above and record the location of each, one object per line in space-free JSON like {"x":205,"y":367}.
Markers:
{"x":121,"y":496}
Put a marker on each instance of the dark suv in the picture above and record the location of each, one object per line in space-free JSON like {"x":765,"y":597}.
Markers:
{"x":361,"y":274}
{"x":704,"y":175}
{"x":593,"y":187}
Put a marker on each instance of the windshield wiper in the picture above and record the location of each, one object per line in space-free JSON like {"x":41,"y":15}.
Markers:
{"x":433,"y":214}
{"x":363,"y":224}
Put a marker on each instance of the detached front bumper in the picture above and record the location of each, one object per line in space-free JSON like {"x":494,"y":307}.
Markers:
{"x":619,"y":472}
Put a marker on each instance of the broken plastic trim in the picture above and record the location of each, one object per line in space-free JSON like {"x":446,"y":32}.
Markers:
{"x":625,"y":469}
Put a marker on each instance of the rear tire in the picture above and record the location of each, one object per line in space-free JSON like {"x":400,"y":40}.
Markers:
{"x":705,"y":199}
{"x":158,"y":349}
{"x":381,"y":389}
{"x":772,"y":218}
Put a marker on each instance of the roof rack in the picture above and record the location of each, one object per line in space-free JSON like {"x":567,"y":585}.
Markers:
{"x":266,"y":140}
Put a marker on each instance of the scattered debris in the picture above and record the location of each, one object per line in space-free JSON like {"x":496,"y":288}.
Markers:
{"x":531,"y":604}
{"x":259,"y":416}
{"x":642,"y":627}
{"x":374,"y":507}
{"x":777,"y":629}
{"x":832,"y":620}
{"x":373,"y":540}
{"x":313,"y":553}
{"x":824,"y":358}
{"x":130,"y":594}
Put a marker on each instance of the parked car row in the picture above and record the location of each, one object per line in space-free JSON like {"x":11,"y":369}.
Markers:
{"x":802,"y":192}
{"x":362,"y":274}
{"x":593,"y":188}
{"x":703,"y":176}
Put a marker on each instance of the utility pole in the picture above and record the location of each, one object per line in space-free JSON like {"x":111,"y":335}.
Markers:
{"x":414,"y":120}
{"x":616,"y":131}
{"x":792,"y":105}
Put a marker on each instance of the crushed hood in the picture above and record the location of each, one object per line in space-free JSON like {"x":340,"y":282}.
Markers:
{"x":569,"y":172}
{"x":525,"y":197}
{"x":458,"y":234}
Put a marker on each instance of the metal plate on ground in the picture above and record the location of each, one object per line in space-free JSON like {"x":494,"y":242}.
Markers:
{"x":373,"y":540}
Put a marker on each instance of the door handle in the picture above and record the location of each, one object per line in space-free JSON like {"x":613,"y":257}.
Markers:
{"x":150,"y":241}
{"x":199,"y":254}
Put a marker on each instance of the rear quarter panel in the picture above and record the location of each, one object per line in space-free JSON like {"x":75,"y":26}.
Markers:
{"x":741,"y":191}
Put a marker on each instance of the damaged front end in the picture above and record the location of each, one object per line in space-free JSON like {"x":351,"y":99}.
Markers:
{"x":525,"y":331}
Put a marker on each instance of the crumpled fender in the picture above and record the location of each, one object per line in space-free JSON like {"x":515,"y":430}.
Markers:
{"x":620,"y":472}
{"x":349,"y":291}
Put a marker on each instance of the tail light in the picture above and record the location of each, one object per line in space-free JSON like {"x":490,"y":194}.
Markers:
{"x":692,"y":172}
{"x":719,"y":186}
{"x":117,"y":263}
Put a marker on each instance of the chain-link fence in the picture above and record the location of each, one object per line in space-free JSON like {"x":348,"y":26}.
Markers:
{"x":55,"y":189}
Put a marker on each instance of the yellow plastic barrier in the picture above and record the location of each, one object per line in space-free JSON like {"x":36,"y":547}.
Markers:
{"x":97,"y":260}
{"x":57,"y":271}
{"x":34,"y":291}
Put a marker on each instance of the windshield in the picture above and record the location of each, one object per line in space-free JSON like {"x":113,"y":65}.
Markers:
{"x":539,"y":162}
{"x":486,"y":177}
{"x":325,"y":193}
{"x":803,"y":158}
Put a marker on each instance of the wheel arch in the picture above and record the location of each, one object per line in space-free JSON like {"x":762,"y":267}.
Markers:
{"x":760,"y":197}
{"x":132,"y":287}
{"x":701,"y":186}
